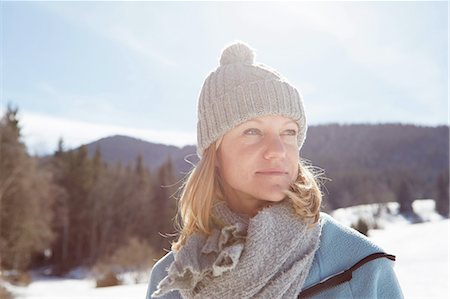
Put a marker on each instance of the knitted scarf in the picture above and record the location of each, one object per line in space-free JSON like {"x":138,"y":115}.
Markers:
{"x":267,"y":256}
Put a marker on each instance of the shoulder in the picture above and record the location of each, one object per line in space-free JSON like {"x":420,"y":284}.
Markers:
{"x":340,"y":248}
{"x":343,"y":245}
{"x":159,"y":271}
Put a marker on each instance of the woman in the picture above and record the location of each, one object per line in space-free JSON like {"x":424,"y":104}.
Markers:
{"x":251,"y":221}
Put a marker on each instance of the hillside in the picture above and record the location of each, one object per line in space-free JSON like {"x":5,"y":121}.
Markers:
{"x":369,"y":163}
{"x":125,"y":149}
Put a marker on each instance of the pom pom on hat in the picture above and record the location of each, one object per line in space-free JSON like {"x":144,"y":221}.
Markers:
{"x":237,"y":53}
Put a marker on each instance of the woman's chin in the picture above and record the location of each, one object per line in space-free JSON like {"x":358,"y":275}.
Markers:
{"x":273,"y":196}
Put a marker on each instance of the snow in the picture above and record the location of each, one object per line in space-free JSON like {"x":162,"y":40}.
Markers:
{"x":422,"y":264}
{"x":422,"y":251}
{"x":386,"y":214}
{"x":76,"y":288}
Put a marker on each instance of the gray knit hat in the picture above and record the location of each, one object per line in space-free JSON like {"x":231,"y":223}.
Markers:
{"x":239,"y":90}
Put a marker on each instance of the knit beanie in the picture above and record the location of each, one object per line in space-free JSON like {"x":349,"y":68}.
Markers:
{"x":239,"y":90}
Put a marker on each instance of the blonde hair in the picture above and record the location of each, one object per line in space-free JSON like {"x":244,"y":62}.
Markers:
{"x":202,"y":189}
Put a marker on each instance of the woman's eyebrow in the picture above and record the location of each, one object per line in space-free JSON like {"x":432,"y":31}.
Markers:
{"x":262,"y":122}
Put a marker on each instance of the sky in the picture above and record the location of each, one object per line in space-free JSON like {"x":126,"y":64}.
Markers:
{"x":82,"y":71}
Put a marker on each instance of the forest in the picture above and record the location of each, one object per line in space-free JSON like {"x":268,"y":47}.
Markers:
{"x":69,"y":209}
{"x":77,"y":208}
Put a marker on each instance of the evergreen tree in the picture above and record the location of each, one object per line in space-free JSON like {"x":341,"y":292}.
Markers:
{"x":105,"y":204}
{"x":404,"y":198}
{"x":75,"y":176}
{"x":60,"y":246}
{"x":165,"y":203}
{"x":134,"y":197}
{"x":442,"y":199}
{"x":95,"y":203}
{"x":145,"y":198}
{"x":25,"y":199}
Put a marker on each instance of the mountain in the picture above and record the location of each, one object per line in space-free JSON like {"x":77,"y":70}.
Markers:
{"x":366,"y":163}
{"x":123,"y":149}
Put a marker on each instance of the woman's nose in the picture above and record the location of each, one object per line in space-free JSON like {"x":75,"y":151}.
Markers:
{"x":274,"y":148}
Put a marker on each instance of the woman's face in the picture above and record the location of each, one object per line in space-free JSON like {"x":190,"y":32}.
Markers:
{"x":257,"y":160}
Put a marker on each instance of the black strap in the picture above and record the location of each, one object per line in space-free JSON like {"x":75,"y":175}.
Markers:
{"x":341,"y":277}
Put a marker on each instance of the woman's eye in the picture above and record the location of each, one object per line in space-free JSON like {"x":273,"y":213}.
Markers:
{"x":290,"y":132}
{"x":252,"y":132}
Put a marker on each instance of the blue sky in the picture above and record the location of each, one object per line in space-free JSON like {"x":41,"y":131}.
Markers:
{"x":86,"y":70}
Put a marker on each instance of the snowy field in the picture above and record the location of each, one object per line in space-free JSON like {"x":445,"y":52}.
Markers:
{"x":77,"y":289}
{"x":422,"y":265}
{"x":422,"y":252}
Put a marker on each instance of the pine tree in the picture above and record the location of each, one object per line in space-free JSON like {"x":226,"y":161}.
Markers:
{"x":145,"y":197}
{"x":442,"y":199}
{"x":95,"y":203}
{"x":105,"y":205}
{"x":165,"y":203}
{"x":405,"y":198}
{"x":25,"y":199}
{"x":60,"y":246}
{"x":77,"y":181}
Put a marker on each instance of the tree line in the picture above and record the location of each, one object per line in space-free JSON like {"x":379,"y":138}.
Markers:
{"x":70,"y":209}
{"x":381,"y":163}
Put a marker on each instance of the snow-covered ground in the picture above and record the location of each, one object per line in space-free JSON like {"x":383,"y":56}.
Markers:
{"x":422,"y":265}
{"x":422,"y":252}
{"x":76,"y":289}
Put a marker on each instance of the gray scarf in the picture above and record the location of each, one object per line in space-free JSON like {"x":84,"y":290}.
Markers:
{"x":267,"y":256}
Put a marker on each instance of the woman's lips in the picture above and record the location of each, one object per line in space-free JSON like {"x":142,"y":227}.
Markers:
{"x":275,"y":172}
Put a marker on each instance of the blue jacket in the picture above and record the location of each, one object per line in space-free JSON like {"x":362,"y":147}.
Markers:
{"x":340,"y":248}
